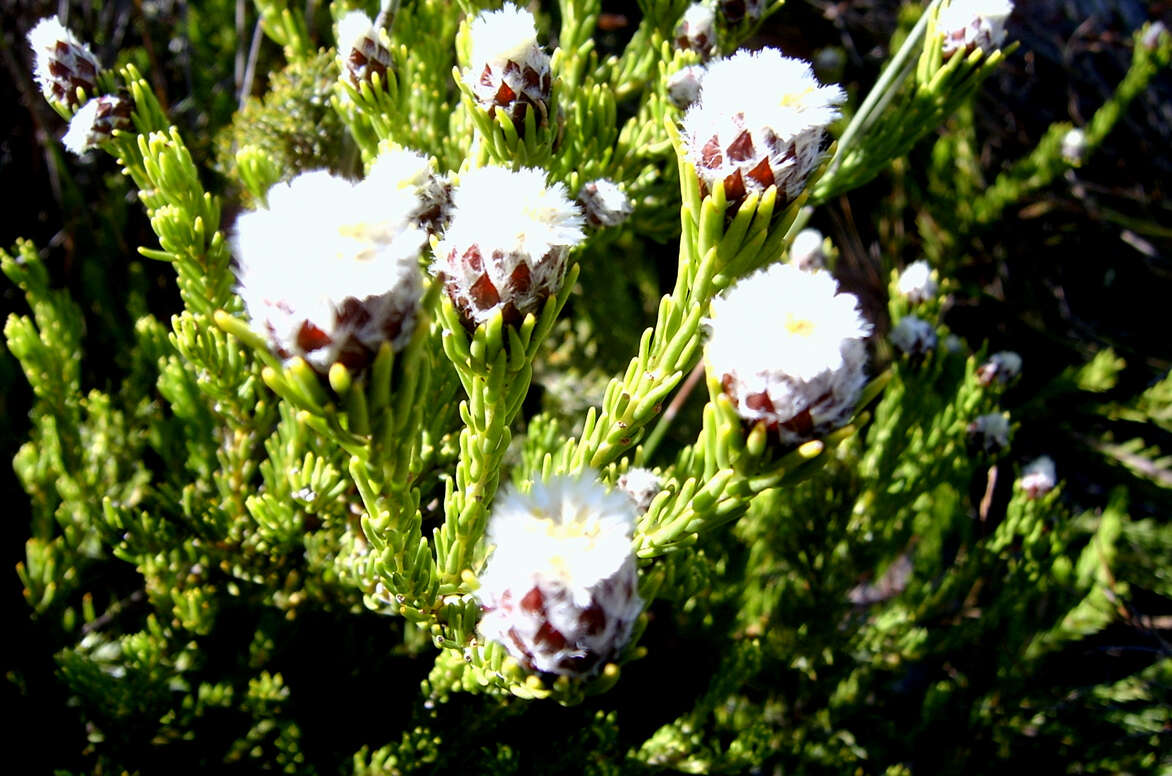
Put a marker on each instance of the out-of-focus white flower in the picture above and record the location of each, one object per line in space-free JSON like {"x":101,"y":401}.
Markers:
{"x":362,"y":50}
{"x":642,"y":485}
{"x":735,"y":11}
{"x":806,"y":251}
{"x":916,"y":283}
{"x":913,"y":336}
{"x":788,"y":349}
{"x":604,"y":203}
{"x":560,"y":588}
{"x":507,"y":245}
{"x":1151,"y":37}
{"x":971,"y":24}
{"x":954,"y":344}
{"x":697,"y":30}
{"x":1074,"y":146}
{"x":683,"y":86}
{"x":1039,"y":477}
{"x":62,"y":63}
{"x":1001,"y":368}
{"x":508,"y":68}
{"x":990,"y":432}
{"x":329,"y":270}
{"x":760,"y":121}
{"x":95,"y":122}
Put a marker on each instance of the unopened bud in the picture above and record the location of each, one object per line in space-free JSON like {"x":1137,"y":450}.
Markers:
{"x":1039,"y":478}
{"x":1001,"y":368}
{"x":604,"y":203}
{"x":362,"y":49}
{"x":697,"y":30}
{"x":967,"y":25}
{"x":683,"y":86}
{"x":95,"y":123}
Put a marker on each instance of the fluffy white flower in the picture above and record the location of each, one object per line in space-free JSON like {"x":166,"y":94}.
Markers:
{"x":404,"y":169}
{"x":913,"y":336}
{"x":760,"y":121}
{"x":604,"y":203}
{"x":508,"y":69}
{"x":971,"y":24}
{"x":508,"y":241}
{"x":560,"y":588}
{"x":806,"y":251}
{"x":990,"y":432}
{"x":683,"y":86}
{"x":916,"y":283}
{"x":789,"y":350}
{"x":362,"y":50}
{"x":329,"y":270}
{"x":642,"y":485}
{"x":95,"y":122}
{"x":62,"y":63}
{"x":1039,"y":477}
{"x":1001,"y":368}
{"x":697,"y":30}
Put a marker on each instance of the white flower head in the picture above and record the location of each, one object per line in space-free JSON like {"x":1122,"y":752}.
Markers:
{"x":913,"y":336}
{"x":683,"y":86}
{"x":697,"y":30}
{"x":760,"y":121}
{"x":806,"y":252}
{"x":95,"y":122}
{"x":916,"y":283}
{"x":559,"y":591}
{"x":990,"y":432}
{"x":362,"y":49}
{"x":604,"y":203}
{"x":1074,"y":146}
{"x":62,"y":63}
{"x":508,"y":68}
{"x":971,"y":24}
{"x":642,"y":485}
{"x":1038,"y":477}
{"x":1001,"y":368}
{"x":403,"y":169}
{"x":788,"y":349}
{"x":329,"y":270}
{"x":507,"y":245}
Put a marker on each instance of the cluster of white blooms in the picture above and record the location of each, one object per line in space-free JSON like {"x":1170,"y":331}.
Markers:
{"x":788,"y":349}
{"x":966,"y":25}
{"x":560,"y":588}
{"x":604,"y":203}
{"x":95,"y":122}
{"x":683,"y":86}
{"x":916,"y":283}
{"x":330,"y":269}
{"x":806,"y":251}
{"x":1001,"y":368}
{"x":697,"y":30}
{"x":642,"y":485}
{"x":508,"y":68}
{"x":750,"y":142}
{"x":62,"y":63}
{"x":507,"y":244}
{"x":990,"y":432}
{"x":362,"y":49}
{"x":1039,"y":477}
{"x":913,"y":336}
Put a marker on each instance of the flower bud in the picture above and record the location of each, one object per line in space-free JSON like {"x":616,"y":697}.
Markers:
{"x":507,"y":245}
{"x":1001,"y":368}
{"x":559,"y":591}
{"x":789,"y":351}
{"x":914,"y":336}
{"x":63,"y":64}
{"x":1038,"y":478}
{"x":642,"y":485}
{"x":973,"y":24}
{"x":1074,"y":146}
{"x":683,"y":86}
{"x":806,"y":252}
{"x":990,"y":432}
{"x":916,"y":283}
{"x":1152,"y":35}
{"x":697,"y":30}
{"x":330,"y":270}
{"x":95,"y":122}
{"x":362,"y":49}
{"x":508,"y":68}
{"x":604,"y":203}
{"x":760,"y":121}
